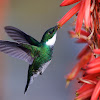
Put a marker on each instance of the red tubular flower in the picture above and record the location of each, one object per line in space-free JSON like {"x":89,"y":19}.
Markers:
{"x":80,"y":41}
{"x":96,"y":92}
{"x":91,"y":65}
{"x":83,"y":32}
{"x":88,"y":18}
{"x":72,"y":34}
{"x":93,"y":70}
{"x":85,"y":95}
{"x":90,"y":77}
{"x":97,"y":51}
{"x":84,"y":60}
{"x":98,"y":36}
{"x":84,"y":87}
{"x":80,"y":16}
{"x":87,"y":13}
{"x":83,"y":36}
{"x":83,"y":52}
{"x":95,"y":60}
{"x":68,"y":2}
{"x":69,"y":14}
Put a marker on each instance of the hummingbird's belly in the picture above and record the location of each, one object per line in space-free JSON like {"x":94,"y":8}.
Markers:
{"x":41,"y":69}
{"x":44,"y":66}
{"x":40,"y":62}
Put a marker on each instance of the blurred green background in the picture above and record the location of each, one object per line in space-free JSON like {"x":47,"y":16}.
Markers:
{"x":34,"y":17}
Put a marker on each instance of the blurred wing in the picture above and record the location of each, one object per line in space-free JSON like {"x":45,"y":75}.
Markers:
{"x":15,"y":50}
{"x":20,"y":36}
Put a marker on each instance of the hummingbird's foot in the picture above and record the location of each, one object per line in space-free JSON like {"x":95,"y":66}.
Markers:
{"x":41,"y":73}
{"x":40,"y":70}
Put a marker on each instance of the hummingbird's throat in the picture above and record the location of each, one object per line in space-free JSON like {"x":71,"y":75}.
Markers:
{"x":52,"y":41}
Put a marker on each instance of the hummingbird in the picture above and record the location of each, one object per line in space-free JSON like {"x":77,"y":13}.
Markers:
{"x":37,"y":54}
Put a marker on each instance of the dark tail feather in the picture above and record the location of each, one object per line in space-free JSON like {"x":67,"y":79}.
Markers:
{"x":26,"y":88}
{"x":29,"y":77}
{"x":27,"y":85}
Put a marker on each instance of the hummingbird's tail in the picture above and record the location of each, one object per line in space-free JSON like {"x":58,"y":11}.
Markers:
{"x":30,"y":77}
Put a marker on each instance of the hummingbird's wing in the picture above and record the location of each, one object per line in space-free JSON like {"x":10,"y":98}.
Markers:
{"x":20,"y":36}
{"x":16,"y":50}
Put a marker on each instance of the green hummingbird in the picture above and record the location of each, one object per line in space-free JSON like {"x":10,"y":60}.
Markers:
{"x":37,"y":54}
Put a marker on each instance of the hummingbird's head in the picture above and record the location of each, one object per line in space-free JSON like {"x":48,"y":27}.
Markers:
{"x":49,"y":36}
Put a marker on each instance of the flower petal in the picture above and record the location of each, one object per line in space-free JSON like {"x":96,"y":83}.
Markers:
{"x":91,"y":65}
{"x":97,"y":51}
{"x":84,"y":60}
{"x":80,"y":41}
{"x":68,"y":2}
{"x":95,"y":60}
{"x":87,"y":13}
{"x":85,"y":95}
{"x":98,"y":36}
{"x":83,"y":52}
{"x":80,"y":16}
{"x":96,"y":92}
{"x":72,"y":34}
{"x":85,"y":87}
{"x":93,"y":70}
{"x":83,"y":32}
{"x":69,"y":14}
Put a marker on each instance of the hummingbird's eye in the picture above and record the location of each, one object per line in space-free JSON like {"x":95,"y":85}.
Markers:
{"x":53,"y":30}
{"x":49,"y":32}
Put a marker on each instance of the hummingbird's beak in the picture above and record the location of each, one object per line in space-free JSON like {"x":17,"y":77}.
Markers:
{"x":57,"y":27}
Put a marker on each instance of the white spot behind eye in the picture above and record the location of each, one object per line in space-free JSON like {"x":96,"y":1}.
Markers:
{"x":52,"y":41}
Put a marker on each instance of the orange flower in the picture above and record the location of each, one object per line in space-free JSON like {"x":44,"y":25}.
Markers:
{"x":69,"y":14}
{"x":93,"y":70}
{"x":80,"y":41}
{"x":88,"y":17}
{"x":84,"y":87}
{"x":87,"y":13}
{"x":97,"y":51}
{"x":83,"y":32}
{"x":95,"y":60}
{"x":96,"y":92}
{"x":68,"y":2}
{"x":98,"y":36}
{"x":84,"y":13}
{"x":72,"y":34}
{"x":83,"y":52}
{"x":84,"y":60}
{"x":80,"y":17}
{"x":91,"y":65}
{"x":85,"y":95}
